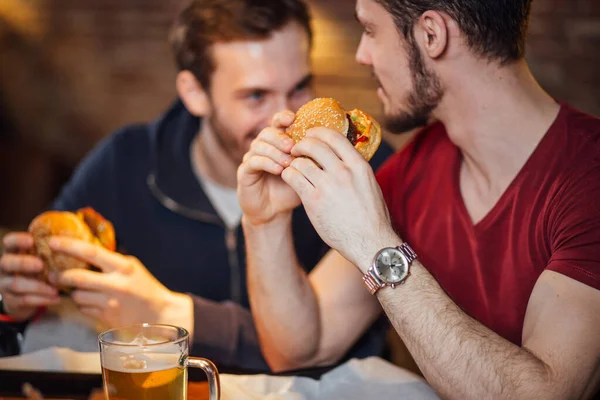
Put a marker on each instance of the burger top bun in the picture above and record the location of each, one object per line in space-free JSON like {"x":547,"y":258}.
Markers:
{"x":324,"y":112}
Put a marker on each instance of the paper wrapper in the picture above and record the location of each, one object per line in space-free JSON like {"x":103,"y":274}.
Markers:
{"x":371,"y":378}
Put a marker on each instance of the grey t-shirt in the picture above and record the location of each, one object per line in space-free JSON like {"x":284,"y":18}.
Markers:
{"x":224,"y":200}
{"x":62,"y":325}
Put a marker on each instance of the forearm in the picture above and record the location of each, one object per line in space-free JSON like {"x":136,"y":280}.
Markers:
{"x":284,"y":306}
{"x":225,"y":333}
{"x":461,"y":358}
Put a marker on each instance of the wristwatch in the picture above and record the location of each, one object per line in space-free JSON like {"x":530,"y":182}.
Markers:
{"x":391,"y":267}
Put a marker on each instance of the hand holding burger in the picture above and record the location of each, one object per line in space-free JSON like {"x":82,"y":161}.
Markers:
{"x":27,"y":261}
{"x":338,"y":189}
{"x":85,"y":224}
{"x":263,"y":195}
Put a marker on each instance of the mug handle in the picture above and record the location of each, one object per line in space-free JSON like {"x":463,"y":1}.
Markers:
{"x":214,"y":384}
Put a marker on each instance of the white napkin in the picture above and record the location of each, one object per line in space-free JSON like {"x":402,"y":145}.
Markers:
{"x":54,"y":359}
{"x":371,"y":378}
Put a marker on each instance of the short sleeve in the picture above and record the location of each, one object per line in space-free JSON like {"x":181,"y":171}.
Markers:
{"x":574,"y":228}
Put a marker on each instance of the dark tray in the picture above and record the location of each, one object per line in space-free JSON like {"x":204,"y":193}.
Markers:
{"x":79,"y":386}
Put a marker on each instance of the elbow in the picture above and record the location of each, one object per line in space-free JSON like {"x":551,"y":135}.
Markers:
{"x":280,"y":363}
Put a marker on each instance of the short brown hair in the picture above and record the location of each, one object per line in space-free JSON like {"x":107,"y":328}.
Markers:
{"x":495,"y":29}
{"x":206,"y":22}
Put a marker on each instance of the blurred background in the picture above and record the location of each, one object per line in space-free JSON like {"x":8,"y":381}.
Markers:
{"x":72,"y":71}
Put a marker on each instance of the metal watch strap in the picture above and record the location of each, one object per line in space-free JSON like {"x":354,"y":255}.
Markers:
{"x":408,"y":252}
{"x":372,"y":284}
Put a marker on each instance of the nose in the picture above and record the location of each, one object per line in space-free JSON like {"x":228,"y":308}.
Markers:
{"x":362,"y":55}
{"x":282,"y":103}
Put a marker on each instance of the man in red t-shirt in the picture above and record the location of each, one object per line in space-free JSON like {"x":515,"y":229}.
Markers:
{"x":488,"y":261}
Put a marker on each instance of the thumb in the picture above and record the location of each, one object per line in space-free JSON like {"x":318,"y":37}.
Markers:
{"x":283,"y":119}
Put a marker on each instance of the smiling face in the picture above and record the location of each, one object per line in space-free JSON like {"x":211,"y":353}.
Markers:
{"x":408,"y":90}
{"x":252,"y":81}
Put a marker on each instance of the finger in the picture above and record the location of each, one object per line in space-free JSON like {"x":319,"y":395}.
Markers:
{"x":276,"y":138}
{"x":309,"y":169}
{"x":265,"y":149}
{"x":251,"y":171}
{"x":86,"y":298}
{"x":298,"y":182}
{"x":318,"y":151}
{"x":17,"y":241}
{"x":283,"y":119}
{"x":22,"y":285}
{"x":106,"y":260}
{"x":20,"y":264}
{"x":30,"y":300}
{"x":31,"y":393}
{"x":340,"y":144}
{"x":86,"y":280}
{"x":93,"y":312}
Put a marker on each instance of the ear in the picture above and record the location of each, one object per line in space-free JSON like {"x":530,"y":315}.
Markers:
{"x":434,"y":33}
{"x":193,"y":95}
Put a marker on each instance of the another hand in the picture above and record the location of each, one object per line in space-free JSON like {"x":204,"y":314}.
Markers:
{"x":23,"y":292}
{"x":341,"y":195}
{"x":124,"y":293}
{"x":263,"y":195}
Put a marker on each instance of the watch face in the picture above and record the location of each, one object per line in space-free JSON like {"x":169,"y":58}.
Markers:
{"x":391,"y":265}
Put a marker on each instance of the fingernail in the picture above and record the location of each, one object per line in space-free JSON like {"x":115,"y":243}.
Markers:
{"x":37,"y":264}
{"x":286,"y":160}
{"x":53,"y":277}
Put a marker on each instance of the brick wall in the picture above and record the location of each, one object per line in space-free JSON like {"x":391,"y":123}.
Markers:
{"x":564,"y":50}
{"x":74,"y":70}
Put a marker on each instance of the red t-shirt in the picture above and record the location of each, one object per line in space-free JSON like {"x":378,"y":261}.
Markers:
{"x":548,"y":218}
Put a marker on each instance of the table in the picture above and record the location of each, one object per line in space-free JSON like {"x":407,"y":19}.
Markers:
{"x":196,"y":391}
{"x":78,"y":386}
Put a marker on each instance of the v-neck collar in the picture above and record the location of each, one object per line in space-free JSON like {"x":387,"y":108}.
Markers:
{"x":488,"y":219}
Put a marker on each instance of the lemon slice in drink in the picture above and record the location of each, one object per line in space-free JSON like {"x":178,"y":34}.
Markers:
{"x":161,"y":378}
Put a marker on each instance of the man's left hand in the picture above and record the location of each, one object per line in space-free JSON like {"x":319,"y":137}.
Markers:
{"x":341,"y":195}
{"x":124,"y":293}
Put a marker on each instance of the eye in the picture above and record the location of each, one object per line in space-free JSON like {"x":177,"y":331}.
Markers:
{"x":256,"y":97}
{"x":367,"y":32}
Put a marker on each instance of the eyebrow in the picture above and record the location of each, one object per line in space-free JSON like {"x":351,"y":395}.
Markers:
{"x":363,"y":23}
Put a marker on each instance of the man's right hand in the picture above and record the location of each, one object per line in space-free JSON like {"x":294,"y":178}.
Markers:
{"x":21,"y":289}
{"x":263,"y":195}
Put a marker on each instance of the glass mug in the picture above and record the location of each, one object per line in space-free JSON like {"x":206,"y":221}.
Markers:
{"x":149,"y":362}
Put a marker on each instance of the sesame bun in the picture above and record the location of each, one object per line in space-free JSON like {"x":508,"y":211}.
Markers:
{"x":85,"y":224}
{"x":360,"y":128}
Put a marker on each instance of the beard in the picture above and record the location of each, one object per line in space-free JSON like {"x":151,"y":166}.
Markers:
{"x":226,"y":138}
{"x":425,"y":96}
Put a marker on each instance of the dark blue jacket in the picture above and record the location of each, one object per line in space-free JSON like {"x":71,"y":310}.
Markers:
{"x":141,"y":179}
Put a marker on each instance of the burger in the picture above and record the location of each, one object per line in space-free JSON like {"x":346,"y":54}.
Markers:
{"x":85,"y":224}
{"x":359,"y":127}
